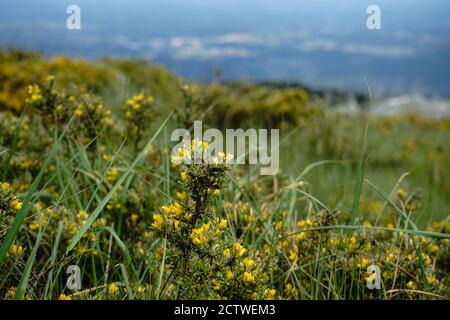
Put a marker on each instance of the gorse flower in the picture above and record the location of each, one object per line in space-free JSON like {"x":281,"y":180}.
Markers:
{"x":16,"y":204}
{"x":112,"y":175}
{"x":16,"y":250}
{"x":34,"y":93}
{"x":64,"y":297}
{"x":4,"y":186}
{"x":239,"y":249}
{"x":113,"y":288}
{"x":199,"y":235}
{"x":248,"y":277}
{"x":138,"y":111}
{"x":158,"y":221}
{"x":197,"y":152}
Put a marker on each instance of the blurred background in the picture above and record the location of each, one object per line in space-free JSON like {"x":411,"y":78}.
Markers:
{"x":323,"y":44}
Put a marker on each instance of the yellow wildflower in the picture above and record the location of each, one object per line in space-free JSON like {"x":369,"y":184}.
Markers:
{"x":16,"y":204}
{"x":158,"y":221}
{"x":411,"y":285}
{"x":247,"y":262}
{"x":113,"y":288}
{"x":16,"y":250}
{"x":431,"y":279}
{"x":140,"y":290}
{"x":222,"y":224}
{"x":5,"y":187}
{"x":239,"y":249}
{"x":248,"y":277}
{"x":269,"y":294}
{"x":64,"y":297}
{"x":134,"y":217}
{"x":181,"y":195}
{"x":112,"y":175}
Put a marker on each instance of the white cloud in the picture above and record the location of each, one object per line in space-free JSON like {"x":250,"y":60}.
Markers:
{"x":382,"y":51}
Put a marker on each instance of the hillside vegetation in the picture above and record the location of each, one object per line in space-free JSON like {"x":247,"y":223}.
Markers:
{"x":87,"y":179}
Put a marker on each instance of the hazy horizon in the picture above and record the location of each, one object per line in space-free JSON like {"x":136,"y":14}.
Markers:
{"x":323,"y":44}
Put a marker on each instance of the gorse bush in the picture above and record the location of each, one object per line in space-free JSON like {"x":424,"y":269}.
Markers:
{"x":87,"y":178}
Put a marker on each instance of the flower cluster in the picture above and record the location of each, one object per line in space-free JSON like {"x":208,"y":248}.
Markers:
{"x":138,"y":111}
{"x":197,"y":152}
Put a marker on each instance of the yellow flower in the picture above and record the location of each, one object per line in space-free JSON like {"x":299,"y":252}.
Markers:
{"x":5,"y":187}
{"x":34,"y":225}
{"x":431,"y":279}
{"x":239,"y":249}
{"x":140,"y":290}
{"x":226,"y":253}
{"x":222,"y":224}
{"x":229,"y":275}
{"x":113,"y":288}
{"x":181,"y":195}
{"x":10,"y":293}
{"x":134,"y":217}
{"x":248,"y":277}
{"x":16,"y":204}
{"x":401,"y":192}
{"x":300,"y":236}
{"x":390,"y":257}
{"x":227,"y":158}
{"x":247,"y":262}
{"x":269,"y":294}
{"x":364,"y":263}
{"x":216,"y":285}
{"x":434,"y":248}
{"x":112,"y":175}
{"x":292,"y":255}
{"x":184,"y":176}
{"x":139,"y":97}
{"x":158,"y":221}
{"x":411,"y":285}
{"x":64,"y":297}
{"x":188,"y":216}
{"x":176,"y":224}
{"x":16,"y":250}
{"x":198,"y":241}
{"x":82,"y":215}
{"x":79,"y":111}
